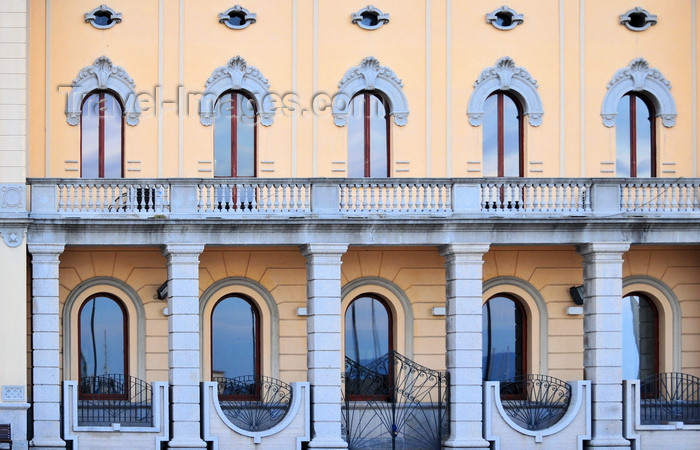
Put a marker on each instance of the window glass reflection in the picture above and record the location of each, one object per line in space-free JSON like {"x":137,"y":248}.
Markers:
{"x":102,"y":338}
{"x":368,"y":139}
{"x":234,"y":331}
{"x":367,"y":330}
{"x":101,"y":137}
{"x":502,"y":340}
{"x":234,"y":136}
{"x":634,"y":138}
{"x":639,"y":324}
{"x":501,"y":140}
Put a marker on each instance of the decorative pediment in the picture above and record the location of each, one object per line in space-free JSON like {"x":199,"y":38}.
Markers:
{"x":370,"y":75}
{"x":102,"y":75}
{"x":237,"y":75}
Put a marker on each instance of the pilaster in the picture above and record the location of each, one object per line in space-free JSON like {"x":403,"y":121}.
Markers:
{"x":183,"y":343}
{"x":45,"y":345}
{"x":464,"y":274}
{"x":602,"y":343}
{"x":324,"y":342}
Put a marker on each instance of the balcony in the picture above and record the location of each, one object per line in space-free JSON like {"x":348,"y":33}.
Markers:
{"x":314,"y":197}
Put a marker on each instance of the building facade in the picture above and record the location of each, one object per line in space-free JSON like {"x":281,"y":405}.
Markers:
{"x":325,"y":224}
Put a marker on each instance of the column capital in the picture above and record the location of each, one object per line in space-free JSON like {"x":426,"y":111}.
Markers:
{"x":612,"y":249}
{"x":473,"y":251}
{"x":308,"y":250}
{"x":193,"y":250}
{"x":45,"y":249}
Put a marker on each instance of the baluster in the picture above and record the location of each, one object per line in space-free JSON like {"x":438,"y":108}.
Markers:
{"x":675,"y":192}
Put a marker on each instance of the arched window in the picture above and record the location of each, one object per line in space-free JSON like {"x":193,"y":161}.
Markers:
{"x":235,"y":142}
{"x":503,"y":136}
{"x":503,"y":338}
{"x":368,"y":340}
{"x":640,"y":325}
{"x":101,"y":138}
{"x":368,"y":136}
{"x":102,"y":334}
{"x":235,"y":338}
{"x":635,"y":137}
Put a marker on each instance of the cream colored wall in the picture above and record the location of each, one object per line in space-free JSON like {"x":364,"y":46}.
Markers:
{"x":438,"y":49}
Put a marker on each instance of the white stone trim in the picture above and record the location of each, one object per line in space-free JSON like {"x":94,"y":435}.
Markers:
{"x":369,"y":75}
{"x":538,"y":319}
{"x":639,"y":77}
{"x":114,"y":17}
{"x":506,"y":76}
{"x":396,"y":298}
{"x":515,"y":18}
{"x":133,"y":304}
{"x":649,"y":19}
{"x":237,"y":75}
{"x":267,"y":306}
{"x":102,"y":75}
{"x":248,"y":17}
{"x":664,"y":296}
{"x":382,"y":18}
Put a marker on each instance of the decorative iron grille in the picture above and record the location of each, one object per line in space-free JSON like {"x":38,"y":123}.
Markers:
{"x":254,"y":403}
{"x":670,"y":397}
{"x":114,"y":398}
{"x":535,"y":402}
{"x":394,"y":403}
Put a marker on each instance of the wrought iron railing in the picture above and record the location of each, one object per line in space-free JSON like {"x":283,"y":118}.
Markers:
{"x":254,"y":403}
{"x":114,"y":398}
{"x":535,"y":402}
{"x":394,"y":402}
{"x":670,"y":397}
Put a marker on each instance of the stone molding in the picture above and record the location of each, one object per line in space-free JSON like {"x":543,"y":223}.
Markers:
{"x":248,"y":17}
{"x":370,"y":75}
{"x":237,"y":75}
{"x":13,"y":237}
{"x":649,"y":19}
{"x":506,"y":76}
{"x":114,"y":17}
{"x":639,"y":77}
{"x":515,"y":18}
{"x":13,"y":197}
{"x":102,"y":75}
{"x":381,"y":18}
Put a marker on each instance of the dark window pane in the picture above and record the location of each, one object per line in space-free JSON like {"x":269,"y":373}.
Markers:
{"x":643,"y":119}
{"x":502,"y":339}
{"x":102,"y":340}
{"x":622,"y":138}
{"x":234,"y":324}
{"x":639,"y":324}
{"x":511,"y":138}
{"x":366,"y":330}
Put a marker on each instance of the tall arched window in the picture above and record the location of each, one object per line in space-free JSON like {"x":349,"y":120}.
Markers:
{"x":503,"y":136}
{"x":640,"y":325}
{"x":368,"y":136}
{"x":102,"y":334}
{"x":503,"y":338}
{"x":635,"y":137}
{"x":235,"y":142}
{"x":101,"y":139}
{"x":235,"y":338}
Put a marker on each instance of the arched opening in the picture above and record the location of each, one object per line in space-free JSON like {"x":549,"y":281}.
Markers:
{"x":504,"y":338}
{"x":503,"y":130}
{"x":635,"y":135}
{"x":101,"y":136}
{"x":640,"y":337}
{"x":368,"y":136}
{"x":235,"y":338}
{"x":235,"y":131}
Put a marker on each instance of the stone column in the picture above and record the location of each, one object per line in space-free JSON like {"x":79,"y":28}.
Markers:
{"x":324,"y":342}
{"x":46,"y":390}
{"x":463,"y":268}
{"x":183,"y":343}
{"x":602,"y":342}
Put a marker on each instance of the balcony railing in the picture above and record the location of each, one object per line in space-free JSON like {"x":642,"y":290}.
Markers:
{"x":313,"y":197}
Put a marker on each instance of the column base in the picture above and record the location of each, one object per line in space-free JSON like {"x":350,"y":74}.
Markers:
{"x":47,"y":443}
{"x":603,"y":443}
{"x":328,"y":443}
{"x":187,"y":443}
{"x":466,"y":443}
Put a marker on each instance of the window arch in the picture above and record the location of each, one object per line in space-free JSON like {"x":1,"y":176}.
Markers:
{"x":504,"y":338}
{"x":639,"y":77}
{"x":235,"y":135}
{"x":635,"y":137}
{"x":368,"y":136}
{"x":101,"y":136}
{"x":502,"y":136}
{"x":506,"y":76}
{"x":235,"y":337}
{"x":640,"y":337}
{"x":102,"y":341}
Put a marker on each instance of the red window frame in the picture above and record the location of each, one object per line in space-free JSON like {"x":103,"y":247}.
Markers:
{"x":500,"y":147}
{"x":257,"y":348}
{"x":522,"y":335}
{"x":633,"y":132}
{"x":367,"y":137}
{"x":125,"y":331}
{"x":101,"y":132}
{"x":234,"y":131}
